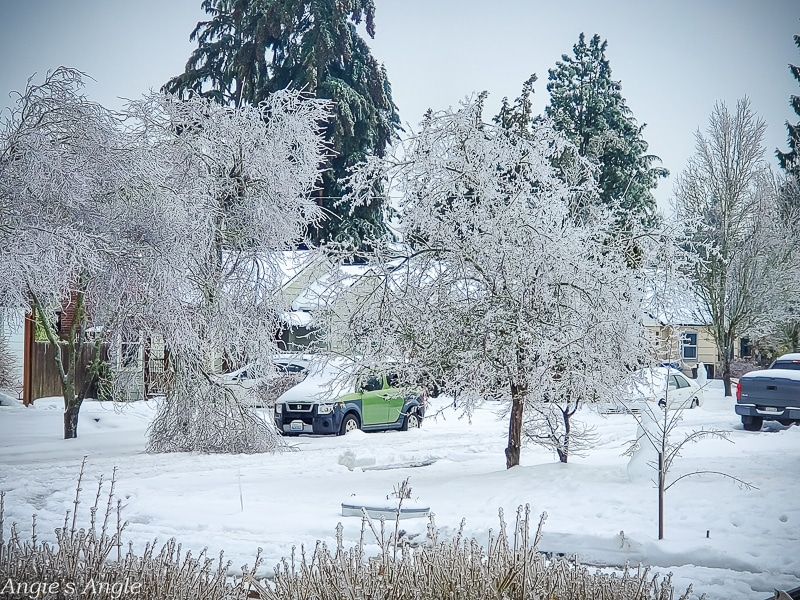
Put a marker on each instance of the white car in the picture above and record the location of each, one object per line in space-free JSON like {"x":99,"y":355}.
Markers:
{"x":261,"y":390}
{"x":655,"y":388}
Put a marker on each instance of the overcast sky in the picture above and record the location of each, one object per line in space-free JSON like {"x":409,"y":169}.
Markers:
{"x":675,"y":59}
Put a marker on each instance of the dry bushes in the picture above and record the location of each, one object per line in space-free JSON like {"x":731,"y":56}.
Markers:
{"x":90,"y":563}
{"x":509,"y":567}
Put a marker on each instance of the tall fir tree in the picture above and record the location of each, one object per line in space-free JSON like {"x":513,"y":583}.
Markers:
{"x":249,"y":49}
{"x":587,"y":106}
{"x":518,"y":117}
{"x":790,"y":161}
{"x":788,"y":333}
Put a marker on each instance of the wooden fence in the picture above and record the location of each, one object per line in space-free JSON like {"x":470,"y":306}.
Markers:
{"x":45,"y":380}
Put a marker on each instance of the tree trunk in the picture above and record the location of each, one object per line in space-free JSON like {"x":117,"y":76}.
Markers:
{"x":726,"y":369}
{"x":71,"y":421}
{"x":661,"y":491}
{"x":515,"y":426}
{"x":563,"y":452}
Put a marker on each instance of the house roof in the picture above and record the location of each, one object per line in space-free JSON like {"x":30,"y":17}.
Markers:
{"x":669,"y":299}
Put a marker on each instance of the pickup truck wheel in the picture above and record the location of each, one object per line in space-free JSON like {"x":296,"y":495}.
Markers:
{"x":350,"y":423}
{"x":752,"y":423}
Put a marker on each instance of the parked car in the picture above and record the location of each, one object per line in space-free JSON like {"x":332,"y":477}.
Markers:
{"x":326,"y":403}
{"x":261,"y":389}
{"x":655,"y":388}
{"x":771,"y":394}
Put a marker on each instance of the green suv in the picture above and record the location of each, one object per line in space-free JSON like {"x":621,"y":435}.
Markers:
{"x":323,"y":403}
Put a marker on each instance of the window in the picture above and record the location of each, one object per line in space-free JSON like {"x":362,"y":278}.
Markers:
{"x":680,"y":382}
{"x":373,"y":383}
{"x":689,"y":346}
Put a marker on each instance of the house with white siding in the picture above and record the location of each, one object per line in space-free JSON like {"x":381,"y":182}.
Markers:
{"x":12,"y":327}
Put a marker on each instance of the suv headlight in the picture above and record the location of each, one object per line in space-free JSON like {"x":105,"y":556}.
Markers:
{"x":279,"y":408}
{"x":324,"y":409}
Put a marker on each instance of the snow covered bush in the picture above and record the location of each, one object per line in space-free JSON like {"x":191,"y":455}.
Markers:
{"x":505,"y":287}
{"x":240,"y":181}
{"x":8,"y":375}
{"x":200,"y":415}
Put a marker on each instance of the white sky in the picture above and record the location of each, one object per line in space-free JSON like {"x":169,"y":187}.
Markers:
{"x":675,"y":59}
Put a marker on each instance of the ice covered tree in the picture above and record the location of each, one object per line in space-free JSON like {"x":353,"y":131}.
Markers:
{"x":586,"y":105}
{"x":240,"y":180}
{"x":248,"y":50}
{"x":726,"y":203}
{"x":8,"y":375}
{"x":76,"y":198}
{"x":167,"y":222}
{"x":500,"y":290}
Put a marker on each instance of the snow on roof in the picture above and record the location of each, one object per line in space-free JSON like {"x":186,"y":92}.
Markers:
{"x":292,"y":262}
{"x":323,"y":290}
{"x":297,"y":318}
{"x":327,"y":380}
{"x":792,"y":374}
{"x":671,"y":301}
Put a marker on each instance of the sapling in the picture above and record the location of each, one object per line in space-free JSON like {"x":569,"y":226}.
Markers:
{"x":666,"y":260}
{"x":655,"y":446}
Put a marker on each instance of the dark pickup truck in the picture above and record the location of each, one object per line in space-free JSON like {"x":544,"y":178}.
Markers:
{"x":771,"y":394}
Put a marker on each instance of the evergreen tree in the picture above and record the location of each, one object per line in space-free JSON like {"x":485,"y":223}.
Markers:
{"x":249,"y":49}
{"x":788,"y":333}
{"x":587,"y":106}
{"x":789,"y":161}
{"x":518,"y":117}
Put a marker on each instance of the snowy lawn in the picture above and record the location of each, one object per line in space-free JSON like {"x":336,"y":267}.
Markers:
{"x":726,"y":541}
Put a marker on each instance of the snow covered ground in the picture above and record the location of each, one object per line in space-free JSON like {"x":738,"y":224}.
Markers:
{"x":726,"y":541}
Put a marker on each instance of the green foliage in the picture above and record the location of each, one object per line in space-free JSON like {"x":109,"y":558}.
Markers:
{"x":789,"y":161}
{"x":40,"y":329}
{"x":587,"y":106}
{"x":786,"y":338}
{"x":519,"y":116}
{"x":249,"y":49}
